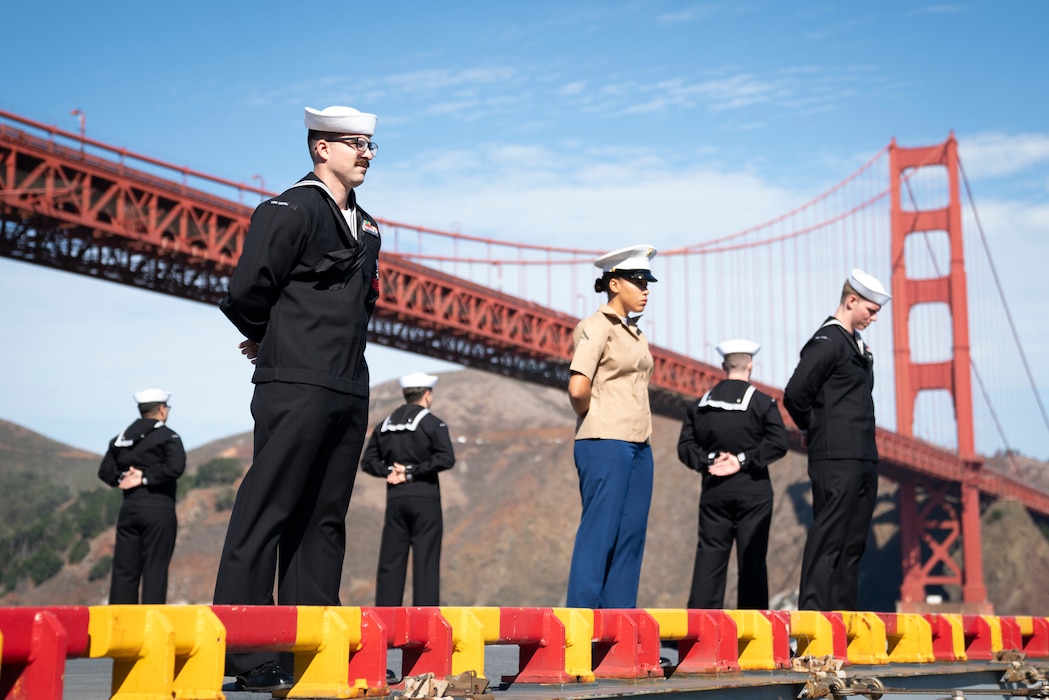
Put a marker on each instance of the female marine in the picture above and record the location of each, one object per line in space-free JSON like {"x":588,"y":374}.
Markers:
{"x":608,"y":389}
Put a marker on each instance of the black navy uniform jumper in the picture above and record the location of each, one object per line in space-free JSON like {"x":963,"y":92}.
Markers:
{"x":304,"y":289}
{"x":733,"y":417}
{"x":147,"y":525}
{"x":418,"y":439}
{"x":829,"y":397}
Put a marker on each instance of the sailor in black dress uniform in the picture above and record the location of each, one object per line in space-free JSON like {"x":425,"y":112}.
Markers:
{"x":144,"y":461}
{"x":303,"y":292}
{"x":731,"y":436}
{"x":410,"y":449}
{"x":829,"y":398}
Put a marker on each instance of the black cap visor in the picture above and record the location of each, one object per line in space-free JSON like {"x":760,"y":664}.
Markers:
{"x":634,"y":275}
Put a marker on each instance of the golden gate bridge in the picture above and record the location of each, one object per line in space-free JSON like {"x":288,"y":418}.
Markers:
{"x":80,"y":205}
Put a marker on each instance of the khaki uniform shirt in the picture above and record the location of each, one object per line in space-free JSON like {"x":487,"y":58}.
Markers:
{"x":615,"y":357}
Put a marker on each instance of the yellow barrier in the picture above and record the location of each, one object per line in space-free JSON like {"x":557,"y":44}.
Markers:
{"x":325,"y":636}
{"x":754,"y":635}
{"x":579,"y":633}
{"x":814,"y":633}
{"x":160,"y":652}
{"x":866,"y":634}
{"x":911,"y":641}
{"x":673,"y":623}
{"x":995,"y":624}
{"x":472,"y":629}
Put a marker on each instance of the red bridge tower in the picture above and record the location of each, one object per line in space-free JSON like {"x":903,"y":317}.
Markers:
{"x":930,"y":521}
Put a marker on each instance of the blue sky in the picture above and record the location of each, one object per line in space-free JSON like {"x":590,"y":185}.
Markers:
{"x":529,"y":121}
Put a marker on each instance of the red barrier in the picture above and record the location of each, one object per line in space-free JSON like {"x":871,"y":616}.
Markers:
{"x":780,"y":620}
{"x":541,"y":638}
{"x":422,"y":634}
{"x":979,"y":640}
{"x":943,"y":643}
{"x":258,"y":627}
{"x":711,"y":645}
{"x":626,"y":644}
{"x":369,"y":662}
{"x":36,"y":644}
{"x":1012,"y":640}
{"x":1036,"y":644}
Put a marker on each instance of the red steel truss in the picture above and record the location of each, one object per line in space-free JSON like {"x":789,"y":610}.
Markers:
{"x":78,"y":212}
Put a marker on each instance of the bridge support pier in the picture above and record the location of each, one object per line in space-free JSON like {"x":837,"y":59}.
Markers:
{"x":935,"y":518}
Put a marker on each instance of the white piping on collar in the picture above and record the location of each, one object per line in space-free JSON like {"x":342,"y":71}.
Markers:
{"x":727,"y":406}
{"x":860,"y":345}
{"x":122,"y":441}
{"x":410,"y":426}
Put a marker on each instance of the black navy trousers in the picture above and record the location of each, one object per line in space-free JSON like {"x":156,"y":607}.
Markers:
{"x":146,"y":530}
{"x":844,"y":493}
{"x":290,"y":512}
{"x":415,"y":522}
{"x":743,"y":516}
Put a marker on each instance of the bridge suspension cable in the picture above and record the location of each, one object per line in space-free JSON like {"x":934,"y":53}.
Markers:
{"x":1005,"y":305}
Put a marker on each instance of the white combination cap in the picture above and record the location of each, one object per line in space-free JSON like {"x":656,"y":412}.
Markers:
{"x":340,"y":120}
{"x":418,"y":380}
{"x":152,"y":396}
{"x":738,"y":345}
{"x":630,"y":262}
{"x":868,"y":287}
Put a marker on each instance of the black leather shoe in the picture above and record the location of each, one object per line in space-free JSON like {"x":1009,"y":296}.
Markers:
{"x":265,"y":678}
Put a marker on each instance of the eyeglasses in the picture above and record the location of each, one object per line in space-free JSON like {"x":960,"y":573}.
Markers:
{"x":360,"y":143}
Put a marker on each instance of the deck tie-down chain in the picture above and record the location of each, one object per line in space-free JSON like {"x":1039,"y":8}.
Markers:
{"x":825,"y":675}
{"x":1018,"y":671}
{"x":826,"y":678}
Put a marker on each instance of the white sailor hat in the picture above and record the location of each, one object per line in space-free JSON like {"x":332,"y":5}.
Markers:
{"x":868,"y":287}
{"x":630,"y":262}
{"x":152,"y":396}
{"x":738,"y":345}
{"x":340,"y":120}
{"x":418,"y":380}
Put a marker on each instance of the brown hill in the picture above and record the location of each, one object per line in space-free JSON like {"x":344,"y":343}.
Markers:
{"x":511,"y":508}
{"x":22,"y":450}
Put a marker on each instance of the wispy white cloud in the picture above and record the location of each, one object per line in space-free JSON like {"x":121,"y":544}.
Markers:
{"x":830,"y":31}
{"x":463,"y":108}
{"x":552,"y":196}
{"x":997,"y":154}
{"x":436,"y":80}
{"x":940,"y":9}
{"x":573,"y":88}
{"x":695,"y":13}
{"x":806,"y":91}
{"x":474,"y":94}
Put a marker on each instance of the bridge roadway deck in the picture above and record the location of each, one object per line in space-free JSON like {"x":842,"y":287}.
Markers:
{"x":89,"y":679}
